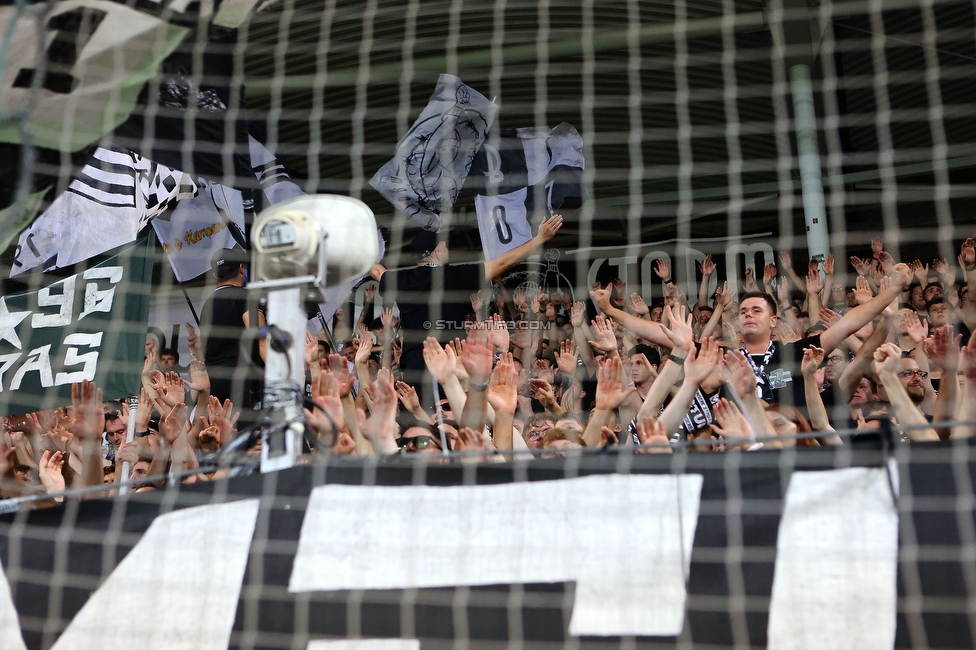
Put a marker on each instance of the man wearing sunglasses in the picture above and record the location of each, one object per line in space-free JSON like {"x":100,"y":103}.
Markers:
{"x":420,"y":438}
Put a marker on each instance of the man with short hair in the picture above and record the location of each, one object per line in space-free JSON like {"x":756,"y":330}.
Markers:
{"x":644,"y":363}
{"x":535,"y":429}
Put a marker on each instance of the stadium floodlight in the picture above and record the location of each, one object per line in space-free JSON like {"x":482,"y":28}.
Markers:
{"x":301,"y":248}
{"x":290,"y":242}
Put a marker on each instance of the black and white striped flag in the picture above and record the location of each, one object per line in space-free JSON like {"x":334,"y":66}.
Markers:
{"x":113,"y":198}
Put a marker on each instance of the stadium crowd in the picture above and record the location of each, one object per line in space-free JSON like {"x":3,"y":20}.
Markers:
{"x":779,"y":359}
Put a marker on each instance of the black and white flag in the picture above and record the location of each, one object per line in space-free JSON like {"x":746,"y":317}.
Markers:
{"x":214,"y":219}
{"x":432,"y":160}
{"x":113,"y":198}
{"x":512,"y":172}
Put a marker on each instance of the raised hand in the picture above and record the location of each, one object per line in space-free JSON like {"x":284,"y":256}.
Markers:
{"x":785,"y":260}
{"x":199,"y":377}
{"x":476,"y":302}
{"x":652,"y":436}
{"x":549,"y":227}
{"x":477,"y":357}
{"x":440,"y":361}
{"x":723,"y":295}
{"x":337,"y":365}
{"x":862,"y":290}
{"x":610,"y":390}
{"x":607,"y":437}
{"x":769,"y":272}
{"x":967,"y":359}
{"x":886,"y":359}
{"x":167,"y":389}
{"x":707,"y":267}
{"x":577,"y":313}
{"x":942,"y":348}
{"x":192,"y":340}
{"x":325,"y":393}
{"x":640,"y":307}
{"x":311,"y":350}
{"x":661,"y":269}
{"x":731,"y":422}
{"x":887,"y":261}
{"x":828,"y":265}
{"x":946,"y":271}
{"x":901,"y":274}
{"x":921,"y":271}
{"x":542,"y":370}
{"x":605,"y":341}
{"x":408,"y":396}
{"x":49,"y":471}
{"x":566,"y":357}
{"x":700,"y":364}
{"x":498,"y":333}
{"x":750,"y":280}
{"x":967,"y":254}
{"x":364,"y":350}
{"x":829,"y":316}
{"x":812,"y":359}
{"x":503,"y":389}
{"x":143,"y":411}
{"x":542,"y":391}
{"x":679,"y":329}
{"x":173,"y":423}
{"x":739,"y":373}
{"x":601,"y":298}
{"x":914,"y":326}
{"x":814,"y":283}
{"x":877,"y":246}
{"x":86,"y":417}
{"x":861,"y":266}
{"x":223,"y":417}
{"x":381,"y":427}
{"x":783,"y":291}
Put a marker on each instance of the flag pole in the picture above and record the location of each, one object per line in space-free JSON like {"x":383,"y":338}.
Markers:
{"x":130,"y":435}
{"x":190,"y":304}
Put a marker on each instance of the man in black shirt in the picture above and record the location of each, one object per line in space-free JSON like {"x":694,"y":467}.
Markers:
{"x":224,"y":320}
{"x":777,"y":365}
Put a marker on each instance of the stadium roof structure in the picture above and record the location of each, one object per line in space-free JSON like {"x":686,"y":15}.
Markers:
{"x":685,"y":107}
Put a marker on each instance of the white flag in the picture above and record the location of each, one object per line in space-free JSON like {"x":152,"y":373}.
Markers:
{"x":116,"y":194}
{"x":515,"y":169}
{"x":432,"y":160}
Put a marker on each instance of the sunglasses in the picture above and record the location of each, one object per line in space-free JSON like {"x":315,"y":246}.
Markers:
{"x":417,"y":443}
{"x":112,"y":415}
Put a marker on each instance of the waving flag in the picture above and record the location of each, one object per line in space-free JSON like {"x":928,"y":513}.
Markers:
{"x":525,"y":165}
{"x":432,"y":160}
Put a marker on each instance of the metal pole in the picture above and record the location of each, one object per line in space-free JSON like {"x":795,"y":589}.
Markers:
{"x":284,"y":378}
{"x":811,"y":181}
{"x":440,"y":416}
{"x":130,"y":435}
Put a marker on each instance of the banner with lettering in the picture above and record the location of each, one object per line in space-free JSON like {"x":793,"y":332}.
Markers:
{"x":89,"y":325}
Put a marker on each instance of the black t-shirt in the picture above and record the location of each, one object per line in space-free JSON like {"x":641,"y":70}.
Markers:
{"x":422,"y":313}
{"x":222,"y":325}
{"x":778,"y":371}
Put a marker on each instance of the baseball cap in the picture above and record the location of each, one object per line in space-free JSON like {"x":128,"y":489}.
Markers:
{"x":225,"y":261}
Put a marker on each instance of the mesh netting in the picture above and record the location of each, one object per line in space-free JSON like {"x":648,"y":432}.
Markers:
{"x":695,"y":151}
